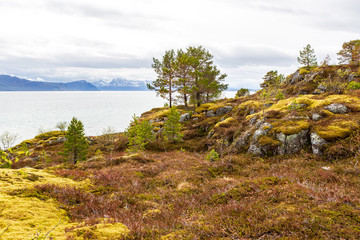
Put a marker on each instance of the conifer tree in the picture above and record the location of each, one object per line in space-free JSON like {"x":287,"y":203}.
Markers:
{"x":76,"y":144}
{"x":139,"y":134}
{"x":165,"y":82}
{"x":172,"y":126}
{"x":307,"y":57}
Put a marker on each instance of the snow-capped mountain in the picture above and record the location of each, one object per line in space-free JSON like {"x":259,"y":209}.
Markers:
{"x":121,"y":85}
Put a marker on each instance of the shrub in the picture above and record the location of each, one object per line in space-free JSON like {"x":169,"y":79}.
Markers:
{"x":139,"y":134}
{"x":243,"y":92}
{"x":212,"y":156}
{"x":172,"y":126}
{"x":353,"y":85}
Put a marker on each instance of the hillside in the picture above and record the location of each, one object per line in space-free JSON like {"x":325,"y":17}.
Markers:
{"x":9,"y":83}
{"x":287,"y":169}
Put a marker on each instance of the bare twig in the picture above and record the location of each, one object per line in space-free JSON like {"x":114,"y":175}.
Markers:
{"x":47,"y":234}
{"x":5,"y":230}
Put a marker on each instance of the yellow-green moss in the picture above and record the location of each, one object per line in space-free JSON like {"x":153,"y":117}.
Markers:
{"x":303,"y":71}
{"x":226,"y":123}
{"x":203,"y":107}
{"x":216,"y":106}
{"x":102,"y":231}
{"x":266,"y":140}
{"x":26,"y":215}
{"x":289,"y":127}
{"x":158,"y":124}
{"x":336,"y":130}
{"x":47,"y":135}
{"x":313,"y":102}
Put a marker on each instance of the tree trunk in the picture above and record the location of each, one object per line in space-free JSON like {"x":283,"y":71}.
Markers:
{"x":170,"y":92}
{"x":198,"y":95}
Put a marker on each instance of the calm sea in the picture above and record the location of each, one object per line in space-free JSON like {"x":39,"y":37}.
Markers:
{"x":26,"y":113}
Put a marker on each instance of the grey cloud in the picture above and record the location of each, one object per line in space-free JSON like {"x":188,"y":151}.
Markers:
{"x":254,"y":56}
{"x":115,"y":17}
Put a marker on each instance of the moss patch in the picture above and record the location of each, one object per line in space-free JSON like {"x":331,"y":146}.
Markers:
{"x":204,"y":107}
{"x":27,"y":215}
{"x":337,"y":129}
{"x":289,"y":127}
{"x":226,"y":123}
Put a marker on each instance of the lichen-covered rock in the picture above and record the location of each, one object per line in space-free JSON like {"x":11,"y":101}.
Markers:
{"x":296,"y":77}
{"x":292,"y":143}
{"x":242,"y":142}
{"x":316,"y":117}
{"x":337,"y":108}
{"x":223,"y":110}
{"x":185,"y":117}
{"x":210,"y":113}
{"x":317,"y":143}
{"x":320,"y":89}
{"x":255,"y":150}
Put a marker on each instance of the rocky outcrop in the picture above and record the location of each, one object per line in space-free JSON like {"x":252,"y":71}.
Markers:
{"x":223,"y":110}
{"x":210,"y":113}
{"x":185,"y":117}
{"x":337,"y":108}
{"x":317,"y":143}
{"x":316,"y":117}
{"x":292,"y":143}
{"x":255,"y":148}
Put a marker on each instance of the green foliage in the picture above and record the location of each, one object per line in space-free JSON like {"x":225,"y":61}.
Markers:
{"x":338,"y":83}
{"x":172,"y":126}
{"x":139,"y":134}
{"x":279,"y":96}
{"x":353,"y":85}
{"x":76,"y":144}
{"x":191,"y":73}
{"x":212,"y":156}
{"x":242,"y":92}
{"x":350,"y":52}
{"x":272,"y":80}
{"x":307,"y":56}
{"x":165,"y":69}
{"x":6,"y":159}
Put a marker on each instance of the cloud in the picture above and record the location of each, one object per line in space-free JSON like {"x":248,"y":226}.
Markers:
{"x":254,"y":55}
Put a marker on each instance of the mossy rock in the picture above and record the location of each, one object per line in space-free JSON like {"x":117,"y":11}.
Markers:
{"x":48,"y":135}
{"x":289,"y":127}
{"x":336,"y":129}
{"x":226,"y":123}
{"x":203,"y":107}
{"x":266,"y":140}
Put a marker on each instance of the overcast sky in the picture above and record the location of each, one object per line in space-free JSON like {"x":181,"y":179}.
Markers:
{"x":66,"y":40}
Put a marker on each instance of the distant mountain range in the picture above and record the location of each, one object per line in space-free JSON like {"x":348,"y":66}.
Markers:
{"x":10,"y":83}
{"x":121,"y":85}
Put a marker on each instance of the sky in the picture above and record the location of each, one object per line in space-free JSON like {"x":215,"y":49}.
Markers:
{"x":68,"y":40}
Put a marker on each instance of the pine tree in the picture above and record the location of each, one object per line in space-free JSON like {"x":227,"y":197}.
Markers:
{"x":172,"y":126}
{"x":164,"y":84}
{"x":76,"y":144}
{"x":139,"y":134}
{"x":307,"y":57}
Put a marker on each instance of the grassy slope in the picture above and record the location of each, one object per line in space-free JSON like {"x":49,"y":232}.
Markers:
{"x":171,"y":192}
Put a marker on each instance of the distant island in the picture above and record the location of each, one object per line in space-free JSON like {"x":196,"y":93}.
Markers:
{"x":12,"y":83}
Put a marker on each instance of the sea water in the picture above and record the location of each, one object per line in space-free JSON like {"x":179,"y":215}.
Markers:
{"x":28,"y":113}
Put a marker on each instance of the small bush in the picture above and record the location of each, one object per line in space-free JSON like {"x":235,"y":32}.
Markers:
{"x":353,"y":85}
{"x":243,"y":92}
{"x":212,"y":156}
